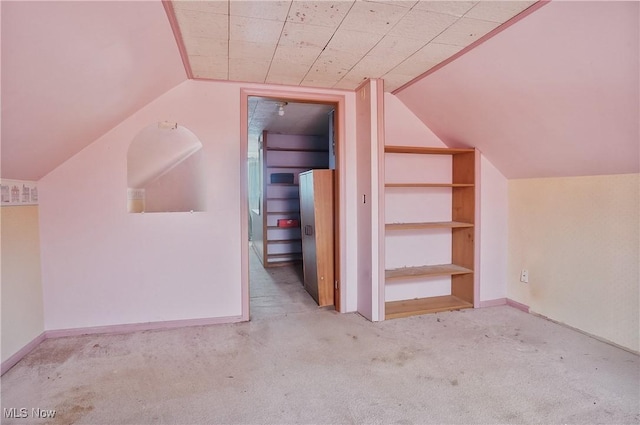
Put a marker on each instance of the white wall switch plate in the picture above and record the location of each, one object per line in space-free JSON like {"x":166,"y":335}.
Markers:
{"x":524,"y":276}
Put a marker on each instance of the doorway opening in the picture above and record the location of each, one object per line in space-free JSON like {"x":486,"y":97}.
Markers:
{"x":289,"y":140}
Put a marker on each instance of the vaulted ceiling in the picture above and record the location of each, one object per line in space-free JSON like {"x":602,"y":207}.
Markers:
{"x":556,"y":93}
{"x":73,"y":70}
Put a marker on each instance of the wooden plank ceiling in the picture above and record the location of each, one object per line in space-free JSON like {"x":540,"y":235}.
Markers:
{"x":329,"y":44}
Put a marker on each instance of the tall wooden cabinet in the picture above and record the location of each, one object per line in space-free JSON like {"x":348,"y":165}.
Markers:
{"x":454,"y":233}
{"x":317,"y":228}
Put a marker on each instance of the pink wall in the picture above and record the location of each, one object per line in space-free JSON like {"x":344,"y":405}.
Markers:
{"x":494,"y":193}
{"x":403,"y":128}
{"x":103,"y":266}
{"x":556,"y":94}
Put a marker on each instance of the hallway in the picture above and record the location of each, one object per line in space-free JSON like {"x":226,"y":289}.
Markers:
{"x":277,"y":291}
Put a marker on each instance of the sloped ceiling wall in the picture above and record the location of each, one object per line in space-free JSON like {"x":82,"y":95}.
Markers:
{"x":73,"y":70}
{"x":556,"y":94}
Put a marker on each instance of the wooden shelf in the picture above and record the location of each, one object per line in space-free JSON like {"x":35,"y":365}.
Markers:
{"x":425,"y":271}
{"x":425,"y":150}
{"x":426,"y":225}
{"x":406,"y":308}
{"x":280,"y":241}
{"x":296,"y":150}
{"x":293,"y":255}
{"x":282,"y":228}
{"x":428,"y":185}
{"x":283,"y":212}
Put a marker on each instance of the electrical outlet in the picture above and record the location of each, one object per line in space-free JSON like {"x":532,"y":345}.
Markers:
{"x":524,"y":276}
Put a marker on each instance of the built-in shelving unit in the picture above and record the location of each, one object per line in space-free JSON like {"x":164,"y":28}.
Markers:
{"x":459,"y":232}
{"x":290,"y":154}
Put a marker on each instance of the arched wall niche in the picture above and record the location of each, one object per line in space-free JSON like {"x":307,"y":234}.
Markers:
{"x":165,"y":170}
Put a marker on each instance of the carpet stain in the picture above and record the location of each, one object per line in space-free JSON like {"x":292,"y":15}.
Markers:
{"x":454,"y":382}
{"x":107,"y":350}
{"x":403,"y":356}
{"x":77,"y":403}
{"x":400,"y":359}
{"x":72,"y":414}
{"x":49,"y":355}
{"x":510,"y":418}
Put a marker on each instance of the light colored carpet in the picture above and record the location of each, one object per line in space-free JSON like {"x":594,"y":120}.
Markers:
{"x":295,"y":363}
